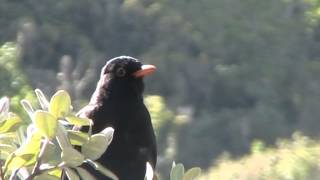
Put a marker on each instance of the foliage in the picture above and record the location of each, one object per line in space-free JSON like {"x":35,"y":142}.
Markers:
{"x":297,"y":159}
{"x":178,"y":172}
{"x":248,"y":69}
{"x":162,"y":120}
{"x":160,"y":114}
{"x":13,"y":81}
{"x":47,"y":148}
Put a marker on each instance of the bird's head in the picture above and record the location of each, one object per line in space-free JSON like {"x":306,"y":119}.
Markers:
{"x":122,"y":77}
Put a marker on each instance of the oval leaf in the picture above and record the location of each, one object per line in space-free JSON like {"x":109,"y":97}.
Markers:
{"x":95,"y":146}
{"x":4,"y":104}
{"x":46,"y":123}
{"x":192,"y":173}
{"x":27,"y":107}
{"x":78,"y":121}
{"x":44,"y":103}
{"x":15,"y":162}
{"x":108,"y":132}
{"x":7,"y":148}
{"x":30,"y":146}
{"x":77,"y":137}
{"x":71,"y":174}
{"x":51,"y":155}
{"x":56,"y":172}
{"x":4,"y":107}
{"x":46,"y":177}
{"x":85,"y":174}
{"x":177,"y":172}
{"x":7,"y":137}
{"x":60,"y":104}
{"x":72,"y":157}
{"x":10,"y":124}
{"x":25,"y":154}
{"x":103,"y":170}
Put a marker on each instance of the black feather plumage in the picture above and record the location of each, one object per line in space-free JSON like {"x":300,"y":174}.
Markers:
{"x":118,"y":102}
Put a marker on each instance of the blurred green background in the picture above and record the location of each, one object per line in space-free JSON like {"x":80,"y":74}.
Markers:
{"x":229,"y":73}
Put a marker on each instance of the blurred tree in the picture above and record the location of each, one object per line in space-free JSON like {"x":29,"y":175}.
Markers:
{"x":248,"y":69}
{"x":14,"y":83}
{"x":291,"y":159}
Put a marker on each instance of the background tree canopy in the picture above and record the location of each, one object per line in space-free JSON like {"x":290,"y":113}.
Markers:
{"x":229,"y":72}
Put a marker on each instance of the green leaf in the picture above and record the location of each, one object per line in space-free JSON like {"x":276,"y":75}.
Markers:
{"x":78,"y":121}
{"x":44,"y":103}
{"x":26,"y":154}
{"x":51,"y":155}
{"x":56,"y":172}
{"x":72,"y":157}
{"x":4,"y":155}
{"x":15,"y":162}
{"x":4,"y":107}
{"x":108,"y":132}
{"x":7,"y":148}
{"x":95,"y":146}
{"x":46,"y":177}
{"x":60,"y":104}
{"x":71,"y":174}
{"x":11,"y":124}
{"x":192,"y":174}
{"x":62,"y":138}
{"x":30,"y":146}
{"x":8,"y":138}
{"x":46,"y":123}
{"x":85,"y":174}
{"x":102,"y":169}
{"x":77,"y":137}
{"x":177,"y":172}
{"x":27,"y":107}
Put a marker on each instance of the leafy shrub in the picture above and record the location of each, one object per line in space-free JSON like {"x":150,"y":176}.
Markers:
{"x":290,"y":160}
{"x":161,"y":116}
{"x":47,"y":148}
{"x":13,"y":82}
{"x":178,"y":172}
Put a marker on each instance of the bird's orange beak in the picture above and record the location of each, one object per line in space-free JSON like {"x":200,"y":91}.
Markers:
{"x":144,"y":71}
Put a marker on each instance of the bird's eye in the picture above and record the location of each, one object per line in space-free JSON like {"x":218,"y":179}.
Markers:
{"x":121,"y":72}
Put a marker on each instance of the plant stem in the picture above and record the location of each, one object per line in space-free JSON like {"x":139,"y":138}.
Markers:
{"x":1,"y":172}
{"x":38,"y":163}
{"x":14,"y":174}
{"x":40,"y":172}
{"x":36,"y":170}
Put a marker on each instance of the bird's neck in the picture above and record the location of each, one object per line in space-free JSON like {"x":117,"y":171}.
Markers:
{"x":115,"y":96}
{"x":123,"y":96}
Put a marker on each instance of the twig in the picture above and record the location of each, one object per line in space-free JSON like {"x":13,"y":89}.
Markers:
{"x":1,"y":172}
{"x":40,"y":171}
{"x":14,"y":174}
{"x":39,"y":159}
{"x":36,"y":170}
{"x":9,"y":161}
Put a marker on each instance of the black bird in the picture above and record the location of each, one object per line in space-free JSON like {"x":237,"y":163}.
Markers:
{"x":118,"y":102}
